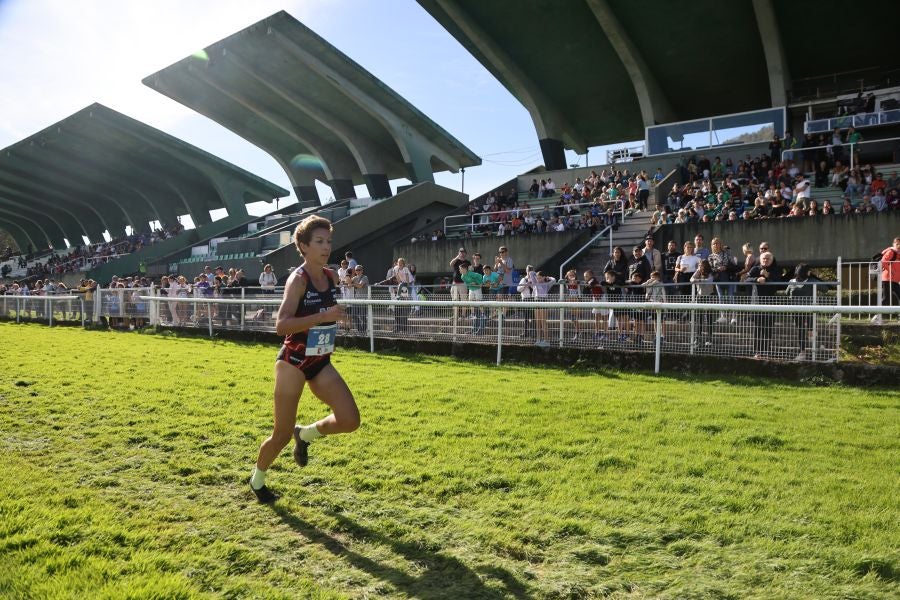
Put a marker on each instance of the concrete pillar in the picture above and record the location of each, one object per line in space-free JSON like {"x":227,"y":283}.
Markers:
{"x":342,"y":188}
{"x":307,"y":195}
{"x":554,"y":154}
{"x":773,"y":48}
{"x":378,"y":185}
{"x":655,"y":108}
{"x":418,"y":165}
{"x":231,"y":191}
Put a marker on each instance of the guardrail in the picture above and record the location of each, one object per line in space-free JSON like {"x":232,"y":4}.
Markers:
{"x":767,"y":327}
{"x":830,"y":148}
{"x":617,"y":205}
{"x":859,"y":120}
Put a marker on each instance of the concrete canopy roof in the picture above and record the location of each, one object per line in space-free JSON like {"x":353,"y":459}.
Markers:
{"x":595,"y":72}
{"x":317,"y":112}
{"x":99,"y":170}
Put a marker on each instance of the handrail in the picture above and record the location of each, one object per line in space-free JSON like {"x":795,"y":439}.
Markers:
{"x":583,"y":248}
{"x":829,"y":146}
{"x":858,"y":120}
{"x":471,"y":225}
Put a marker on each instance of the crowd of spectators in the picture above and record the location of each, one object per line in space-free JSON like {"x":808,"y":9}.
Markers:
{"x":695,"y":272}
{"x":210,"y":283}
{"x":767,"y":187}
{"x":592,"y":203}
{"x":88,"y":256}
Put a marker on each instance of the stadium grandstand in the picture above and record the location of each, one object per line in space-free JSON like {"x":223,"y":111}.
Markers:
{"x":615,"y":75}
{"x":322,"y":117}
{"x":319,"y":114}
{"x":85,"y":195}
{"x":664,"y":368}
{"x":798,"y":156}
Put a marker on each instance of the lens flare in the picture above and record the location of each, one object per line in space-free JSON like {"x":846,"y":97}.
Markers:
{"x":306,"y":161}
{"x":201,"y":55}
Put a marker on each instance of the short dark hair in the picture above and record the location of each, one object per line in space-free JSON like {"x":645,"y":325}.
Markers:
{"x":304,"y":232}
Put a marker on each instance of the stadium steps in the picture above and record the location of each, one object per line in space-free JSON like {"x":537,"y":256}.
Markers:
{"x":630,"y":234}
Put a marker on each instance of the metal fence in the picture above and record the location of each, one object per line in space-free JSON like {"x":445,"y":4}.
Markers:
{"x":752,"y":322}
{"x":743,"y":321}
{"x":862,"y":285}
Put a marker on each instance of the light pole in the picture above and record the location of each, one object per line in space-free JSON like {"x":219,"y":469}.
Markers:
{"x":463,"y":188}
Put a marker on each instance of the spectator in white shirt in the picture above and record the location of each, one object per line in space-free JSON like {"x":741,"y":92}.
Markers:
{"x":267,"y":279}
{"x":402,"y":273}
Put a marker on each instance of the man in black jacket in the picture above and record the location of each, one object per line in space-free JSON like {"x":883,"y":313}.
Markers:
{"x":764,"y":275}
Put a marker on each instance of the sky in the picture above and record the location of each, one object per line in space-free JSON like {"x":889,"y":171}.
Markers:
{"x":60,"y":56}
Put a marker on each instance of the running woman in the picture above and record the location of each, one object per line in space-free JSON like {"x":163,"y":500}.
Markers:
{"x":308,"y":318}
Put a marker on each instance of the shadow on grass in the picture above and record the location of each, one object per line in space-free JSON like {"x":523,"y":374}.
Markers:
{"x":441,"y":576}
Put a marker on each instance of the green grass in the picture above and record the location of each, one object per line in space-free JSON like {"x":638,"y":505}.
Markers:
{"x":124,"y":460}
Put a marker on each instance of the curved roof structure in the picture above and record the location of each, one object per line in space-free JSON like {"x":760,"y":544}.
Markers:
{"x":99,"y":170}
{"x":317,"y":112}
{"x":594,"y":72}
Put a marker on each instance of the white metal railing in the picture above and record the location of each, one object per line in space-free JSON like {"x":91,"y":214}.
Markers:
{"x":862,"y":286}
{"x":830,"y":148}
{"x":627,"y":153}
{"x":696,"y":325}
{"x":590,"y":243}
{"x":609,"y":229}
{"x":618,"y":206}
{"x":859,"y":120}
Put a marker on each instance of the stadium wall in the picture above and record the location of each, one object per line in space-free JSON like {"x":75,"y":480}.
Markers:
{"x":817,"y":241}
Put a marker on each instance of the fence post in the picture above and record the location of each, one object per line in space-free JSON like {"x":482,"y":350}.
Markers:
{"x":209,"y":317}
{"x":562,"y":314}
{"x":879,"y":289}
{"x":370,"y":313}
{"x":48,"y":309}
{"x":658,"y":340}
{"x":243,"y":307}
{"x":81,"y":300}
{"x":693,"y":319}
{"x":815,"y":328}
{"x":98,"y":301}
{"x":152,"y":307}
{"x":454,"y":316}
{"x":840,"y":291}
{"x":499,"y":335}
{"x":18,"y":309}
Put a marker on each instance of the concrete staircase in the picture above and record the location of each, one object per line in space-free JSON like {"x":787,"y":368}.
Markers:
{"x":630,"y":233}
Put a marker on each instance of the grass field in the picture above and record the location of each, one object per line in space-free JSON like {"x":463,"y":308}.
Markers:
{"x":124,"y":461}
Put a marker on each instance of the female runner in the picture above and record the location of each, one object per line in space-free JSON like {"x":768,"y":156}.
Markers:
{"x":307,"y":318}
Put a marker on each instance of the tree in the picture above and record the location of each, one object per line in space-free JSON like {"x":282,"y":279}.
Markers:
{"x":7,"y":240}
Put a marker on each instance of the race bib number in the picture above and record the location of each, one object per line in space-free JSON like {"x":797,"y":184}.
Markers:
{"x":320,"y":340}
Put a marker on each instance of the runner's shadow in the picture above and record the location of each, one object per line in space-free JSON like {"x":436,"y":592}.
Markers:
{"x":440,"y":576}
